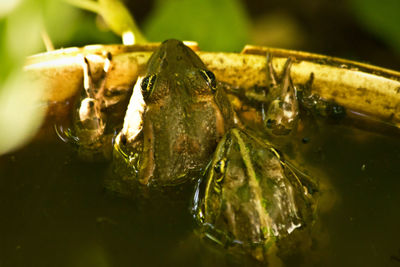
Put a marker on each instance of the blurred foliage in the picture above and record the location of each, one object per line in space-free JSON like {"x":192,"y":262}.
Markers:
{"x":116,"y":16}
{"x":72,"y":26}
{"x":20,"y":110}
{"x":381,"y":18}
{"x":217,"y":25}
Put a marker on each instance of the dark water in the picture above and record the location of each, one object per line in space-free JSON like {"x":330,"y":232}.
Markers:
{"x":55,"y":212}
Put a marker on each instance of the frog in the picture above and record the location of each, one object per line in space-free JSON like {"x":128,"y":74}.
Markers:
{"x":178,"y":123}
{"x":174,"y":121}
{"x":252,"y":199}
{"x":274,"y":108}
{"x":282,"y":113}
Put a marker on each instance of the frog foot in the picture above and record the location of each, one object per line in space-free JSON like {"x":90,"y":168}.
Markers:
{"x":281,"y":115}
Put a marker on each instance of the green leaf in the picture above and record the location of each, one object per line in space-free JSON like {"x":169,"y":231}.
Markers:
{"x":215,"y":24}
{"x":119,"y":19}
{"x":21,"y":112}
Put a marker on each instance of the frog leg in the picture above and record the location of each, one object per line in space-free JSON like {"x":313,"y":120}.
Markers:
{"x":281,"y":114}
{"x":271,"y":74}
{"x":316,"y":105}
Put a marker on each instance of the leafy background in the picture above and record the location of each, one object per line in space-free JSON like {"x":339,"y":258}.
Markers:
{"x":362,"y":30}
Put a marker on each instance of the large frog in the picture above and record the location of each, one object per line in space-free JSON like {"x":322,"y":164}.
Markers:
{"x":175,"y":118}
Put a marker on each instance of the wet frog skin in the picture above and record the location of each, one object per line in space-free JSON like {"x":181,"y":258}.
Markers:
{"x":251,"y":198}
{"x":180,"y":123}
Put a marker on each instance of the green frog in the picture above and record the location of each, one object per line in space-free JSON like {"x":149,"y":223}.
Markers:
{"x":252,"y":199}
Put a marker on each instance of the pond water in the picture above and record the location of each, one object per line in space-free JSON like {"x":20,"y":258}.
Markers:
{"x":55,"y":211}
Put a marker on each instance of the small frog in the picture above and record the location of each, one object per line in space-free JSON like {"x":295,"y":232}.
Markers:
{"x":98,"y":112}
{"x":283,"y":110}
{"x":272,"y":109}
{"x":251,"y":197}
{"x":175,"y":118}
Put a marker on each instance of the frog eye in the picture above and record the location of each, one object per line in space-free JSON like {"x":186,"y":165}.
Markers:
{"x":210,"y":79}
{"x":147,"y":85}
{"x":219,"y":169}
